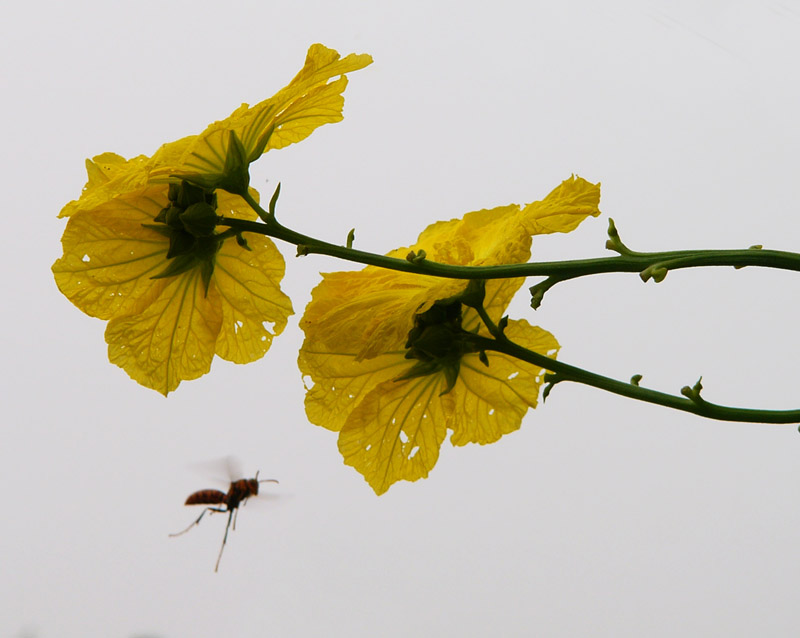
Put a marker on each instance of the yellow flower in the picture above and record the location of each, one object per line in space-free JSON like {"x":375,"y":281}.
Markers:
{"x":389,"y":354}
{"x":141,"y":249}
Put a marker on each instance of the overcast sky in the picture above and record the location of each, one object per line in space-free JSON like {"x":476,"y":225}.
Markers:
{"x":599,"y":516}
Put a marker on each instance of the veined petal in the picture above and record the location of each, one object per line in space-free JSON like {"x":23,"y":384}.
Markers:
{"x":309,"y":101}
{"x":491,"y":400}
{"x":567,"y":205}
{"x":109,"y":257}
{"x":341,"y":381}
{"x":395,"y":433}
{"x":371,"y":310}
{"x":171,"y":340}
{"x":110,"y":176}
{"x":249,"y":288}
{"x":482,"y":238}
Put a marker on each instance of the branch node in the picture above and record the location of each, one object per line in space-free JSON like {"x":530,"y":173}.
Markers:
{"x":693,"y":393}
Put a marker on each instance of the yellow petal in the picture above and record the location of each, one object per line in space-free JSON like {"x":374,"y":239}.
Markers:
{"x":109,"y":176}
{"x":482,"y":238}
{"x":395,"y":433}
{"x":309,"y":101}
{"x":371,"y":310}
{"x":341,"y":381}
{"x":249,"y":288}
{"x":109,"y":257}
{"x":173,"y":339}
{"x":490,"y":401}
{"x":564,"y":208}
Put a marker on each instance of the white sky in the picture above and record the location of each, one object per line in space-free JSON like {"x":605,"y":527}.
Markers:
{"x":600,"y":516}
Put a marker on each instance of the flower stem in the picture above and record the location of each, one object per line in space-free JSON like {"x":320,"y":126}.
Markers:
{"x":648,"y":265}
{"x":565,"y":372}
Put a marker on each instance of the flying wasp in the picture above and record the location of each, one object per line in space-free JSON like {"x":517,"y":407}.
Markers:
{"x":237,"y":494}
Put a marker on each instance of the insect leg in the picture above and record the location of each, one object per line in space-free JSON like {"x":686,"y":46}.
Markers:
{"x":197,"y":521}
{"x":224,"y":538}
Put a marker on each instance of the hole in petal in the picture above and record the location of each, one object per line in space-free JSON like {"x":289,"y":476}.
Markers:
{"x":513,"y":375}
{"x":491,"y":411}
{"x":414,"y":450}
{"x":86,"y":259}
{"x":403,"y":436}
{"x":269,"y":326}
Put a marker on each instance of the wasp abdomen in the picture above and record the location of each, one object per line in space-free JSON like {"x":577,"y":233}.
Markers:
{"x":206,"y":497}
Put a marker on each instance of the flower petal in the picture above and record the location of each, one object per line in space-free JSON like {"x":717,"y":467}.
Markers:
{"x":173,"y":339}
{"x":248,"y":283}
{"x":395,"y":433}
{"x":309,"y":101}
{"x":371,"y":311}
{"x":567,"y":205}
{"x":109,"y":257}
{"x":491,"y":400}
{"x":341,"y":381}
{"x":110,"y":175}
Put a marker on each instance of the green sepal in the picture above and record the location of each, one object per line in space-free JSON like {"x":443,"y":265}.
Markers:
{"x":172,"y":217}
{"x":161,"y":218}
{"x":261,"y":144}
{"x":180,"y":243}
{"x":177,"y":266}
{"x":474,"y":293}
{"x":206,"y":270}
{"x":450,"y":376}
{"x":160,"y":229}
{"x":419,"y":369}
{"x":483,"y":358}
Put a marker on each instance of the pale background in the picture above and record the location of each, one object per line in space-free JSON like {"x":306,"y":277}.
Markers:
{"x":599,"y":517}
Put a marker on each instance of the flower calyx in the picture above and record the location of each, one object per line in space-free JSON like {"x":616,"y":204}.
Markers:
{"x":438,"y":342}
{"x":189,"y":221}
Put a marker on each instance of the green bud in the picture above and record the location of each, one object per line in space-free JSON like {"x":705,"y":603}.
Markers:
{"x":172,"y":217}
{"x":199,"y":219}
{"x":189,"y":194}
{"x":240,"y":239}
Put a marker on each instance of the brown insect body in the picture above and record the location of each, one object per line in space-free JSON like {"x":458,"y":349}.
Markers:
{"x":206,"y":497}
{"x":238,"y":493}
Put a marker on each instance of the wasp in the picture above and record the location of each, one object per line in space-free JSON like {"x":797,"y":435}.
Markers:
{"x":237,"y":494}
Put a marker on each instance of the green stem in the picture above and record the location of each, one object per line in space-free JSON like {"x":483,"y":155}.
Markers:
{"x":566,"y":372}
{"x":558,"y":270}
